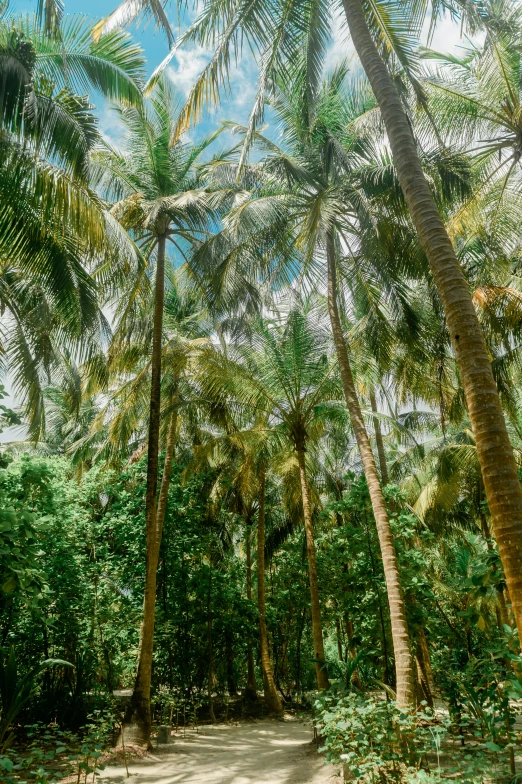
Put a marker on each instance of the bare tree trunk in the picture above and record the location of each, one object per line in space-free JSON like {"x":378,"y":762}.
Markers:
{"x":317,"y":628}
{"x":250,"y":689}
{"x":210,"y":679}
{"x":167,"y":470}
{"x":424,"y":671}
{"x":405,"y":674}
{"x":352,"y":651}
{"x":495,"y":453}
{"x":378,"y":441}
{"x":272,"y":699}
{"x":139,"y":709}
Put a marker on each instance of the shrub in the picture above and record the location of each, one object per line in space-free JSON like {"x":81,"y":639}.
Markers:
{"x":375,"y":739}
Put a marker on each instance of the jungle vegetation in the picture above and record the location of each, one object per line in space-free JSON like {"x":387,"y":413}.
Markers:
{"x":268,"y":377}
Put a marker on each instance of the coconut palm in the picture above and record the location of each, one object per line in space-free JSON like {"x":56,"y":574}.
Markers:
{"x":247,"y":456}
{"x":494,"y":449}
{"x":243,"y":453}
{"x":334,"y":168}
{"x":53,"y":229}
{"x":481,"y":91}
{"x":383,"y":35}
{"x":159,"y":200}
{"x":285,"y":374}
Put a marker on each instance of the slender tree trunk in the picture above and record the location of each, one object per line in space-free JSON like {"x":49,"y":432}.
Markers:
{"x":210,"y":678}
{"x":272,"y":700}
{"x":300,"y":629}
{"x":139,"y":709}
{"x":351,"y":651}
{"x":167,"y":471}
{"x":399,"y":627}
{"x":317,"y":628}
{"x":424,"y":662}
{"x":495,"y":453}
{"x":250,"y":689}
{"x":339,"y":641}
{"x":229,"y":651}
{"x":378,"y":441}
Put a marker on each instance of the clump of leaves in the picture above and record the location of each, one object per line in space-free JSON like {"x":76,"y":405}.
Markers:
{"x":373,"y":737}
{"x":15,"y":692}
{"x":377,"y":741}
{"x":53,"y":753}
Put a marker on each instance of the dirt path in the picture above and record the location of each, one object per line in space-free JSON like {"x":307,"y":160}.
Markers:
{"x":255,"y":752}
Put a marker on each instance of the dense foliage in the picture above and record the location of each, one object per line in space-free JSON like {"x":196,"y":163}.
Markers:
{"x":269,"y":384}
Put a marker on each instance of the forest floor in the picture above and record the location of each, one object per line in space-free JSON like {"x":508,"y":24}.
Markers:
{"x":248,"y":752}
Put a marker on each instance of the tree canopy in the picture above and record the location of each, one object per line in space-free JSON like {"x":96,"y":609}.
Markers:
{"x":267,"y":380}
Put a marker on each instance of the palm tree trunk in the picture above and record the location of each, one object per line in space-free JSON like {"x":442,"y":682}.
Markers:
{"x":317,"y":628}
{"x":378,"y":441}
{"x":399,"y":627}
{"x":351,"y":651}
{"x":272,"y":700}
{"x":167,"y":471}
{"x":139,"y":708}
{"x":495,"y":453}
{"x":423,"y":657}
{"x":250,"y":689}
{"x":211,"y":676}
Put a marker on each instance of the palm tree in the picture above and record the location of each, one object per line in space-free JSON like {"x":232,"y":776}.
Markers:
{"x":334,"y":169}
{"x":495,"y":453}
{"x":379,"y":34}
{"x":285,"y":375}
{"x":272,"y":698}
{"x":479,"y":93}
{"x":159,"y":201}
{"x":53,"y":229}
{"x":242,"y":454}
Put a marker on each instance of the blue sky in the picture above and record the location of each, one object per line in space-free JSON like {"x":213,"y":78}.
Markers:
{"x":183,"y":69}
{"x":188,"y":63}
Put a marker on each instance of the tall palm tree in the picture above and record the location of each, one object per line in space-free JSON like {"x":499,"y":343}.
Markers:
{"x":334,"y":168}
{"x":382,"y":34}
{"x":242,"y":455}
{"x":160,"y":201}
{"x":495,"y":453}
{"x":285,"y":374}
{"x":53,"y":228}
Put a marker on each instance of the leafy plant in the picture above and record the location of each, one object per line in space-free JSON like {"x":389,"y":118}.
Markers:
{"x":15,"y":692}
{"x":373,"y":737}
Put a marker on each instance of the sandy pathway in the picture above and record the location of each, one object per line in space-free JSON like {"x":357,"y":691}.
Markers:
{"x":252,"y":753}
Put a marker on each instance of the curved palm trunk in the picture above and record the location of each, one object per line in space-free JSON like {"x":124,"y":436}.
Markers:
{"x":272,"y":700}
{"x":399,"y":627}
{"x":139,"y":709}
{"x":379,"y":442}
{"x":250,"y":689}
{"x":497,"y":463}
{"x":317,"y":628}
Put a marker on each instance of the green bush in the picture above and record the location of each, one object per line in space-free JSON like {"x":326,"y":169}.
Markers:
{"x":377,"y":741}
{"x":374,"y":738}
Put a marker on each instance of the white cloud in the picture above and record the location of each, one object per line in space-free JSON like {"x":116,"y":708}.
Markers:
{"x":186,"y":66}
{"x":109,"y":125}
{"x":236,"y":103}
{"x":341,"y":47}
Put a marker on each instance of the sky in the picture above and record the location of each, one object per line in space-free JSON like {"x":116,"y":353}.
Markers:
{"x":183,"y":70}
{"x":188,"y":63}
